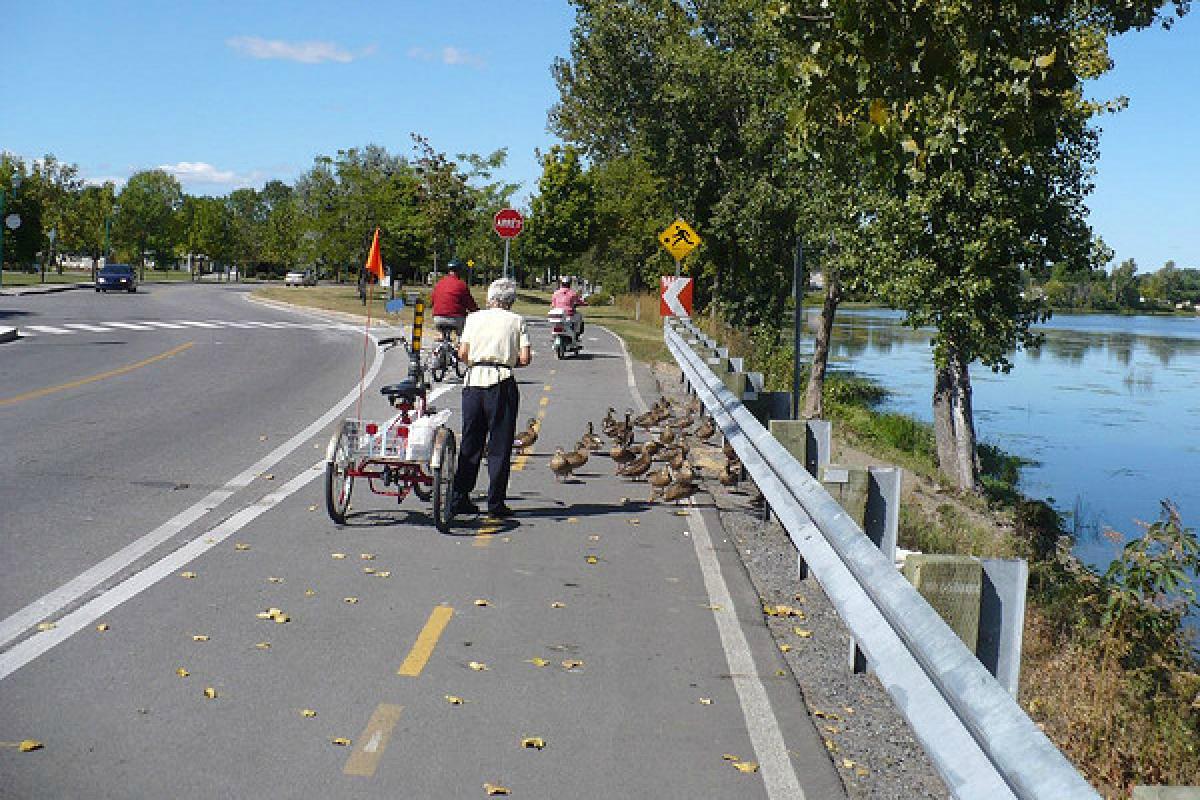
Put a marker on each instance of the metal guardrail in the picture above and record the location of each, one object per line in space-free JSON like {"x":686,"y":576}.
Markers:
{"x":977,"y":736}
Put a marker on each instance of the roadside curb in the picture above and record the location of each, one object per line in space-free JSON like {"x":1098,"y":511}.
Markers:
{"x":8,"y":334}
{"x":339,"y":316}
{"x":45,"y":289}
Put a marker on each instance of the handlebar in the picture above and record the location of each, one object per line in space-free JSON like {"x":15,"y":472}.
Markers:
{"x":390,"y":342}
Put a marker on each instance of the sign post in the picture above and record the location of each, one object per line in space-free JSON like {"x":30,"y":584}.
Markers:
{"x":508,"y":224}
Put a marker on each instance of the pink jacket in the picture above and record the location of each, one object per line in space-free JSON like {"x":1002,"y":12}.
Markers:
{"x":567,"y":298}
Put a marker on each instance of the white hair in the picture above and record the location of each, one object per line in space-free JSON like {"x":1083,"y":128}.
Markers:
{"x":502,"y":292}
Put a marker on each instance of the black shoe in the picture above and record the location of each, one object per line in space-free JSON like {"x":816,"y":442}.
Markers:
{"x":463,"y":505}
{"x":501,"y":512}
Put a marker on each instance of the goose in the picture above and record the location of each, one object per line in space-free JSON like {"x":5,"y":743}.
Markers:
{"x":728,"y":476}
{"x":590,"y":440}
{"x":525,"y":439}
{"x":609,"y":422}
{"x":678,"y":491}
{"x":559,"y":465}
{"x":622,"y":454}
{"x":730,"y":453}
{"x":679,"y":457}
{"x":685,"y":474}
{"x":667,"y":436}
{"x":659,"y":478}
{"x":706,"y":430}
{"x":577,"y":457}
{"x":650,"y":448}
{"x":636,"y":468}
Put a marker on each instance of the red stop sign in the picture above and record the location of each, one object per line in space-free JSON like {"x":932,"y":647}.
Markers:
{"x":508,"y":223}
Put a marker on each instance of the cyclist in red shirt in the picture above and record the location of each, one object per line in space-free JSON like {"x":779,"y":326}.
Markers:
{"x":452,"y":299}
{"x":569,"y":300}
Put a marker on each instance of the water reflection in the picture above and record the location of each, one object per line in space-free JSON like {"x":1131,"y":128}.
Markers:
{"x":1108,"y":408}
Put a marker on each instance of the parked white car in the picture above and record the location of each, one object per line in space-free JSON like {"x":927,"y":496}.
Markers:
{"x":306,"y":277}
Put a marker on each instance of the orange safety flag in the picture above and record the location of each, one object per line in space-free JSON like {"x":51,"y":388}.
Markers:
{"x":375,"y":260}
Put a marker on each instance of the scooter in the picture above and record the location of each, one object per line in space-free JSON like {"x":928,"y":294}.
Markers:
{"x":566,"y":332}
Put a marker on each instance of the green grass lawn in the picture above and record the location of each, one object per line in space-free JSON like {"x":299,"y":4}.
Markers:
{"x":15,"y":278}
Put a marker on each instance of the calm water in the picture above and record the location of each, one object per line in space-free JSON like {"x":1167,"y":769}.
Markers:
{"x":1108,"y":408}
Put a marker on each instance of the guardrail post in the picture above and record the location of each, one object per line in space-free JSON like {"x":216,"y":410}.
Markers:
{"x":1002,"y":619}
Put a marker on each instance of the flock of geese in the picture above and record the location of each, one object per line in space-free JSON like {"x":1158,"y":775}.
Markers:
{"x":674,"y":479}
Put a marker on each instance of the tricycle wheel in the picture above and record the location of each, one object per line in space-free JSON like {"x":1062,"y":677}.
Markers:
{"x":443,"y":481}
{"x":460,"y":368}
{"x":338,"y":482}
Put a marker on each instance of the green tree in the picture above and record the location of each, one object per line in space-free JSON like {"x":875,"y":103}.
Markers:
{"x":145,"y":222}
{"x":562,"y":213}
{"x":630,"y":210}
{"x":1125,"y":284}
{"x":445,"y":198}
{"x":280,"y":230}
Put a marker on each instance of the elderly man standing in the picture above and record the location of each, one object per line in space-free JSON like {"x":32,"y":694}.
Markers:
{"x":493,"y":343}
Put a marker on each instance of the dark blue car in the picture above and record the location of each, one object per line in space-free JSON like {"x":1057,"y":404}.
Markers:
{"x":116,"y":276}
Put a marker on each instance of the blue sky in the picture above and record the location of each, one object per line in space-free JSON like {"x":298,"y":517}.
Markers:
{"x":227,"y":94}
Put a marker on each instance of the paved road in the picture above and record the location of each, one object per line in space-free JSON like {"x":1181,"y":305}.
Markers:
{"x":663,"y":619}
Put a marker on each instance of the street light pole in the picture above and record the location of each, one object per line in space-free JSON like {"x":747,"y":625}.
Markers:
{"x":16,"y":184}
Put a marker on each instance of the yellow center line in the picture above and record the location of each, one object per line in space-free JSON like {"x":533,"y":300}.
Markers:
{"x":484,"y":537}
{"x":368,"y":748}
{"x":62,"y":387}
{"x":422,"y":649}
{"x":519,"y":462}
{"x":545,"y":401}
{"x":547,"y":388}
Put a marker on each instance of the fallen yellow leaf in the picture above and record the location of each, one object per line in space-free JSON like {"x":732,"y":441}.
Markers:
{"x":635,"y":522}
{"x":592,"y":560}
{"x":273,"y":579}
{"x":241,"y":546}
{"x":478,"y":666}
{"x":368,"y":570}
{"x":571,"y":663}
{"x":263,"y":645}
{"x":341,"y":741}
{"x":47,"y":626}
{"x":29,"y":745}
{"x":200,"y":637}
{"x":281,"y":618}
{"x":594,"y":538}
{"x":832,"y":729}
{"x":307,"y":712}
{"x":803,"y":634}
{"x":350,"y":600}
{"x":367,"y":556}
{"x":780,"y":611}
{"x":706,"y":701}
{"x":785,"y":648}
{"x":309,"y":592}
{"x":533,"y":742}
{"x":481,"y":602}
{"x":181,"y":672}
{"x":384,"y":573}
{"x":682,"y":513}
{"x":262,"y":438}
{"x":268,"y":477}
{"x":831,"y":745}
{"x":454,"y":700}
{"x":729,"y":757}
{"x":312,"y":508}
{"x":746,"y":766}
{"x":714,"y":607}
{"x":210,"y":693}
{"x":779,"y":673}
{"x":493,"y":789}
{"x":103,"y":626}
{"x":187,"y":574}
{"x":338,"y":556}
{"x":862,"y":772}
{"x":538,"y":662}
{"x":557,"y":604}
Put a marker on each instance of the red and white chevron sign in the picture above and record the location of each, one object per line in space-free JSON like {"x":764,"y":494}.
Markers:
{"x":676,"y":299}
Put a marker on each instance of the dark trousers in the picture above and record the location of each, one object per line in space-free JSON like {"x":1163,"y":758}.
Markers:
{"x":488,"y":414}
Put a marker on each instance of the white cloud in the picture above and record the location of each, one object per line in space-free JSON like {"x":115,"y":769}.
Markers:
{"x":452,"y":56}
{"x":458,"y":57}
{"x":200,"y":172}
{"x":304,"y":52}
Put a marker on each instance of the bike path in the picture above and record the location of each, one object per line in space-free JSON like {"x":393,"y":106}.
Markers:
{"x":586,"y":573}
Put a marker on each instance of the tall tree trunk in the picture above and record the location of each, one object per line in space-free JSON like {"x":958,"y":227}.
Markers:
{"x":954,"y":423}
{"x":814,"y":393}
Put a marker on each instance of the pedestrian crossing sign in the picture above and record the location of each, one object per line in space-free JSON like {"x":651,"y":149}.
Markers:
{"x":679,"y":239}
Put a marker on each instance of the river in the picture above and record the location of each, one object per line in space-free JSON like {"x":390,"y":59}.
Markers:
{"x":1108,"y":409}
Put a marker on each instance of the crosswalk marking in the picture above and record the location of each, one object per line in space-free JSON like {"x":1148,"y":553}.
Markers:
{"x":67,"y":328}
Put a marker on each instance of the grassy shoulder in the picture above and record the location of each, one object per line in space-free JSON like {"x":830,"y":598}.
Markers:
{"x":21,"y":278}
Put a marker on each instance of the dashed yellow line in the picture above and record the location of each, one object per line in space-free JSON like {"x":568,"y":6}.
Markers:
{"x":62,"y":387}
{"x":519,"y":462}
{"x":370,"y":744}
{"x":547,"y":388}
{"x":545,"y":401}
{"x":485,"y":535}
{"x":422,"y":649}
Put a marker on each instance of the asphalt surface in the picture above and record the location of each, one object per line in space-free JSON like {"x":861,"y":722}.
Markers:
{"x":624,"y":635}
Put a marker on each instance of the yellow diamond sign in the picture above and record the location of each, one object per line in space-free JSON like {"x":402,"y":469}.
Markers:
{"x":679,"y":239}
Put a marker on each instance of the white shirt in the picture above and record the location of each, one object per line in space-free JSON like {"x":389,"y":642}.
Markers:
{"x":495,"y":335}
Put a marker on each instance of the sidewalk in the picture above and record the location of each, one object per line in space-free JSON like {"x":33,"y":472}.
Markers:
{"x":43,"y":288}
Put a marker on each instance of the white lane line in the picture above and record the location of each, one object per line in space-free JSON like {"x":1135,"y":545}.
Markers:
{"x":77,"y":620}
{"x":191,"y":323}
{"x":14,"y":625}
{"x":633,"y":390}
{"x":170,"y":325}
{"x":26,"y":651}
{"x":47,"y":329}
{"x":79,"y":326}
{"x":779,"y":775}
{"x":129,"y":325}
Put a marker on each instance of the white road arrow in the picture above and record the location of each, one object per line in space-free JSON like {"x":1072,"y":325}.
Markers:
{"x":671,"y":296}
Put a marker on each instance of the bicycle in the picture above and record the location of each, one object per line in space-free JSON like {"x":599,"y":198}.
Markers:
{"x":445,"y":356}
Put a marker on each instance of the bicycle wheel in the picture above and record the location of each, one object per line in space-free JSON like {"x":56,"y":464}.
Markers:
{"x":338,"y":482}
{"x":443,"y":480}
{"x":437,"y":363}
{"x":460,"y":368}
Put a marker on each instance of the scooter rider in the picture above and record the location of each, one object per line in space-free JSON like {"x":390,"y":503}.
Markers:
{"x":569,"y":300}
